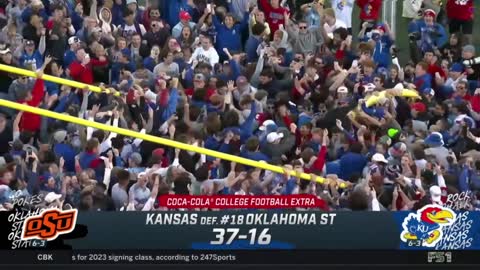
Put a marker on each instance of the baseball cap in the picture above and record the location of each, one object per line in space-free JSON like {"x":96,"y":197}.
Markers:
{"x":469,"y":48}
{"x":419,"y":107}
{"x":273,"y":136}
{"x":385,"y":140}
{"x":136,"y":157}
{"x":429,"y":91}
{"x":159,"y":152}
{"x":381,"y":27}
{"x":131,"y":2}
{"x":4,"y":49}
{"x":185,"y":16}
{"x":242,"y":81}
{"x":369,"y":87}
{"x":73,"y":40}
{"x":265,"y":124}
{"x":379,"y":158}
{"x":436,"y":194}
{"x":456,"y":67}
{"x":150,"y":95}
{"x":342,"y":89}
{"x":52,"y":196}
{"x":429,"y":12}
{"x":60,"y":136}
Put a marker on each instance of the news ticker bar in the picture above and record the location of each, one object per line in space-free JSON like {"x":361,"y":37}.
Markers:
{"x":345,"y":257}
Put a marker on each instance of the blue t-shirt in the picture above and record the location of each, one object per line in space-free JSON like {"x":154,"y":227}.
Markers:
{"x":52,"y":88}
{"x":28,"y":61}
{"x":68,"y":58}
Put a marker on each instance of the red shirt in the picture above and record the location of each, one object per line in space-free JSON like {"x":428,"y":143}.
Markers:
{"x":84,"y":74}
{"x":432,"y":69}
{"x":31,"y":122}
{"x":460,"y":9}
{"x":273,"y":16}
{"x":319,"y":163}
{"x":189,"y":92}
{"x":370,"y":9}
{"x":475,"y":101}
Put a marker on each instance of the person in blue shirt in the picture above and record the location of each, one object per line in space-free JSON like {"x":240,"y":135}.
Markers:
{"x":36,"y":7}
{"x":353,"y":162}
{"x":251,"y":150}
{"x":53,"y":89}
{"x":470,"y":177}
{"x":230,"y":33}
{"x":31,"y":58}
{"x":153,"y":60}
{"x":383,"y":43}
{"x":428,"y":34}
{"x":172,"y":8}
{"x":123,"y":63}
{"x":63,"y":149}
{"x":254,"y":41}
{"x":70,"y":55}
{"x":423,"y":80}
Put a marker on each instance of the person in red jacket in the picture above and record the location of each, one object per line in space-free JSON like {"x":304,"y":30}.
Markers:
{"x":369,"y":10}
{"x":29,"y":121}
{"x":316,"y":164}
{"x":460,"y":15}
{"x":273,"y":13}
{"x":81,"y":70}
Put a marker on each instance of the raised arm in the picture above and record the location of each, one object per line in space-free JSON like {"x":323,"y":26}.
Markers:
{"x":42,"y":45}
{"x":290,"y":27}
{"x":93,"y":10}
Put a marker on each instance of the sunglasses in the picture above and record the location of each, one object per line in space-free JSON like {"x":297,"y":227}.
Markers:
{"x":302,"y":27}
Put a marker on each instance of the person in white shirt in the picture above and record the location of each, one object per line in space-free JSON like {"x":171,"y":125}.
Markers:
{"x":331,"y":22}
{"x":206,"y":53}
{"x":343,"y":11}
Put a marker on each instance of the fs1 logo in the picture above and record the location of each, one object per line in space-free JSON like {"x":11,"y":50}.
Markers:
{"x":424,"y":228}
{"x":49,"y":224}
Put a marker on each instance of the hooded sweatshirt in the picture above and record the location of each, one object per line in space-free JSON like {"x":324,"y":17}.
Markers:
{"x":106,"y":25}
{"x":305,"y":42}
{"x":283,"y":43}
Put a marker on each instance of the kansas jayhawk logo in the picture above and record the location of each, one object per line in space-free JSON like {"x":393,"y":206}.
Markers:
{"x":426,"y":225}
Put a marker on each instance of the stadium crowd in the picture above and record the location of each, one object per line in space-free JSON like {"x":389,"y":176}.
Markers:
{"x":290,"y":83}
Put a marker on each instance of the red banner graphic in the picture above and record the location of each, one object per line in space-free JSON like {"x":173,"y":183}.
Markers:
{"x":241,"y":202}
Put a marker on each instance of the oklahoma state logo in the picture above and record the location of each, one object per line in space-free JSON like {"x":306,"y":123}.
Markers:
{"x":49,"y":224}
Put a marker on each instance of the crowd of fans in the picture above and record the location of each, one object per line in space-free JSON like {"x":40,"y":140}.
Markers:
{"x":284,"y":82}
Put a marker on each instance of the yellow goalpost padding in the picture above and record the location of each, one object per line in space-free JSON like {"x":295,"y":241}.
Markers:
{"x":150,"y":138}
{"x":74,"y":84}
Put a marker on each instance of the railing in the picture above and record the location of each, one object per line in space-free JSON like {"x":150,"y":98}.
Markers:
{"x":130,"y":133}
{"x":74,"y":84}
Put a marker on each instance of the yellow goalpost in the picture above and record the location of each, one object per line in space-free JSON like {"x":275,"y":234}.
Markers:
{"x":130,"y":133}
